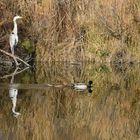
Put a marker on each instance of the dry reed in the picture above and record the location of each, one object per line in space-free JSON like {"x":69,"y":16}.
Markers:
{"x":74,"y":30}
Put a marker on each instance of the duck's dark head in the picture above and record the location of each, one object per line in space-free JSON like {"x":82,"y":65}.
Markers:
{"x":89,"y":90}
{"x":90,"y":83}
{"x":89,"y":86}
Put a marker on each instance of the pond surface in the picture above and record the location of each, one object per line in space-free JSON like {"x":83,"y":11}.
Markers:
{"x":40,"y":104}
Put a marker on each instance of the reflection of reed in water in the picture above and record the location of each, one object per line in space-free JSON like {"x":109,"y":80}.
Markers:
{"x":60,"y":114}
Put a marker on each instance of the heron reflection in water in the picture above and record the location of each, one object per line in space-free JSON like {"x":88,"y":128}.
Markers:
{"x":13,"y":92}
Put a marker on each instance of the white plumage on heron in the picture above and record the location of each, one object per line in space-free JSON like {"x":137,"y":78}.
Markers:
{"x":13,"y":40}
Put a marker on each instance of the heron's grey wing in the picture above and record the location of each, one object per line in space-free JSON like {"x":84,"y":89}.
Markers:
{"x":12,"y":40}
{"x":16,"y":40}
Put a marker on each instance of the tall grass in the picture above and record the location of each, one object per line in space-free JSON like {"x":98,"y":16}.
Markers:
{"x":74,"y":30}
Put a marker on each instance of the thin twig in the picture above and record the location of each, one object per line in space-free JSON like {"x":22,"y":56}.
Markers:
{"x":14,"y":57}
{"x":14,"y":73}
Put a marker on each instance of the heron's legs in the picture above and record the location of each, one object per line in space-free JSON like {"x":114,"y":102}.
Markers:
{"x":12,"y":50}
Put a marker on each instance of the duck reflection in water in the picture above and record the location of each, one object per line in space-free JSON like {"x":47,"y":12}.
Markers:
{"x":83,"y":86}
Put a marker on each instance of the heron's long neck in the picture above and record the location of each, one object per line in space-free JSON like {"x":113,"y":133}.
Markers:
{"x":15,"y":27}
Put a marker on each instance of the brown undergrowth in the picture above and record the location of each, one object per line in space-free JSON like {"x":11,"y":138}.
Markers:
{"x":76,"y":30}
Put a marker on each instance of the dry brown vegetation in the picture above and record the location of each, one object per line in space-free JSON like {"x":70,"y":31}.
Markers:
{"x":74,"y":30}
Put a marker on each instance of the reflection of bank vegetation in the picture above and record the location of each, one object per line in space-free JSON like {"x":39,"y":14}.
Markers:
{"x":75,"y":30}
{"x":111,"y":111}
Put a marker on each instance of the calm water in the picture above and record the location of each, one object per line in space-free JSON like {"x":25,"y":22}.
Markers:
{"x":37,"y":104}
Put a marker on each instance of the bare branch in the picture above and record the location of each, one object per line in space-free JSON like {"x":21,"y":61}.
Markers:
{"x":14,"y":73}
{"x":14,"y":57}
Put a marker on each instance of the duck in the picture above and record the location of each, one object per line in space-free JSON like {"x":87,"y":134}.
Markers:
{"x":83,"y":86}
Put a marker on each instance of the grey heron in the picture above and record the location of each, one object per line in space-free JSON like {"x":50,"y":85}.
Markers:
{"x":14,"y":36}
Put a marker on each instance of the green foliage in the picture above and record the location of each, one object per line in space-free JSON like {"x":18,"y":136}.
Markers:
{"x":26,"y":78}
{"x":102,"y":69}
{"x":28,"y":45}
{"x":103,"y":53}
